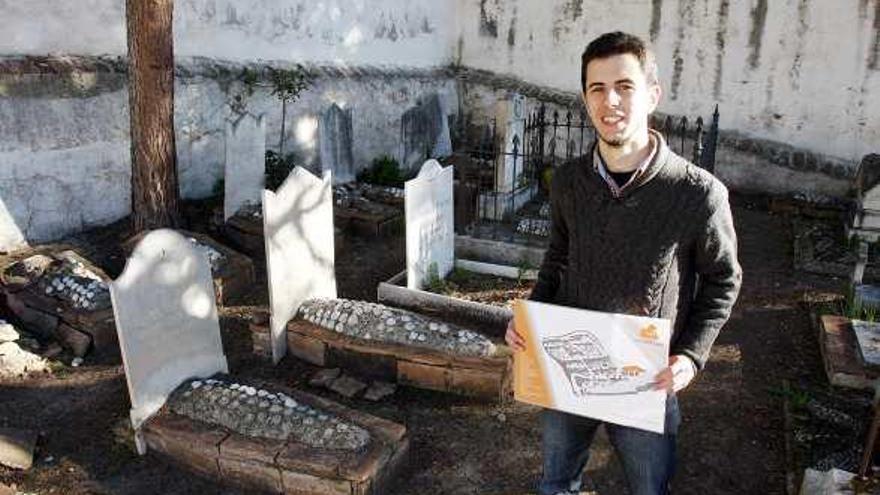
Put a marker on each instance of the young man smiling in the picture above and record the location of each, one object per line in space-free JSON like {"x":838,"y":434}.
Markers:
{"x":635,"y":229}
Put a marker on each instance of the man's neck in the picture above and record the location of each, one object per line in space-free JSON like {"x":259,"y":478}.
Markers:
{"x":626,"y":158}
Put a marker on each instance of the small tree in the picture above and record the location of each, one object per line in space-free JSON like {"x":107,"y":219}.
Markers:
{"x":287,"y":84}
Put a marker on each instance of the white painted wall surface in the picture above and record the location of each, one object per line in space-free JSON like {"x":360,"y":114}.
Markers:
{"x":416,"y":33}
{"x":808,"y":74}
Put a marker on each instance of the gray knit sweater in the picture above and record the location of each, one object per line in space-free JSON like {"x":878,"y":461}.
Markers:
{"x":665,"y":248}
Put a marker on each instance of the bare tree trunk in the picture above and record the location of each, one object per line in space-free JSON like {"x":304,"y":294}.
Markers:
{"x":154,"y":193}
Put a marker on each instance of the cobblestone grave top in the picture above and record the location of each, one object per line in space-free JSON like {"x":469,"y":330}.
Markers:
{"x":166,"y":319}
{"x":298,"y":226}
{"x":245,"y":166}
{"x":430,"y":227}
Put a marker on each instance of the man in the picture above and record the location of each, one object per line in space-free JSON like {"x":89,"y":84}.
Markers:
{"x":635,"y":229}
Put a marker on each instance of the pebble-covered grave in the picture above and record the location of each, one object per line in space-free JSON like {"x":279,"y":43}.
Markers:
{"x":393,"y":344}
{"x":187,"y":408}
{"x":59,"y":295}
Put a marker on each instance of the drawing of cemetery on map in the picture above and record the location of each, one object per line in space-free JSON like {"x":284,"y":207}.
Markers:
{"x":589,"y":368}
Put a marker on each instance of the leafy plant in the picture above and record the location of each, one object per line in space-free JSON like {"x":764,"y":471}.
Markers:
{"x":278,"y":168}
{"x":433,"y":281}
{"x":287,"y":85}
{"x":522,"y":269}
{"x":248,"y":79}
{"x":383,"y":171}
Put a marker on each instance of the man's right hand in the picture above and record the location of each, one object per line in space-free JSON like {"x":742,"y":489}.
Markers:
{"x":513,"y":338}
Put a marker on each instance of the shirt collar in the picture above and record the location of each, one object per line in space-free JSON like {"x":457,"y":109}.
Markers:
{"x":602,"y":169}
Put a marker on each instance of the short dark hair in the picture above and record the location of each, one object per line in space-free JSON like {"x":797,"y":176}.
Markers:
{"x":619,"y":43}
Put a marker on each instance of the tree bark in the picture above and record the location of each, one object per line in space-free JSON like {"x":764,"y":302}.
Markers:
{"x":154,"y":192}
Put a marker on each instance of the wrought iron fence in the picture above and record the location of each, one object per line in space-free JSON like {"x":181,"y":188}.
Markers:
{"x":503,"y":180}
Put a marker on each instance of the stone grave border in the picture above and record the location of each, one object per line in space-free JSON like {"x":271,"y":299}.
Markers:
{"x":841,"y":358}
{"x":283,"y":466}
{"x":81,"y":331}
{"x":235,"y":277}
{"x":480,"y":377}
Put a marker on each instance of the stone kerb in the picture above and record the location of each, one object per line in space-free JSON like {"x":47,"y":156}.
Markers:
{"x":245,"y":163}
{"x":300,"y":258}
{"x":430,"y":227}
{"x":166,"y":320}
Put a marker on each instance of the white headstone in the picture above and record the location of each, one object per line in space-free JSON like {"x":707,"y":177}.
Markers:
{"x":298,"y":227}
{"x":166,"y":321}
{"x":430,"y":229}
{"x":245,"y":167}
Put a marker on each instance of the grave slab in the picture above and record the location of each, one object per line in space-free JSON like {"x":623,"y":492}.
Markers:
{"x":232,"y":272}
{"x":185,"y":408}
{"x":300,"y":258}
{"x":57,"y":294}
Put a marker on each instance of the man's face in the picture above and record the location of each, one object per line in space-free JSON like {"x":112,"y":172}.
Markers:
{"x":619,"y":99}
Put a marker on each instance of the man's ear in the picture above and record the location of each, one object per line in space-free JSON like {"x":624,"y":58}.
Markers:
{"x":654,"y":95}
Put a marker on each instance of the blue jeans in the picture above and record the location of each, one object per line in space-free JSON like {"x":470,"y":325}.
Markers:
{"x":648,"y":458}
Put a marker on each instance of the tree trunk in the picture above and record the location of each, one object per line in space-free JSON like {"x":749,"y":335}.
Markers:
{"x":154,"y":193}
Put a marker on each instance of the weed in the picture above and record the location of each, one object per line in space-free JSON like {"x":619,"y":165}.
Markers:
{"x":383,"y":171}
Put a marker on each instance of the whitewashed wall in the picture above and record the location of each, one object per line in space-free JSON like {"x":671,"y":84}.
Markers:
{"x":416,"y":33}
{"x":802,"y":72}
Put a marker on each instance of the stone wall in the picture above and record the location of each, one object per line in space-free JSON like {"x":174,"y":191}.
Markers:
{"x":801,"y":72}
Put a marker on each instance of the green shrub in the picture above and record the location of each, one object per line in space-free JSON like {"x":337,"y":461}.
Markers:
{"x":277,"y":169}
{"x":383,"y":171}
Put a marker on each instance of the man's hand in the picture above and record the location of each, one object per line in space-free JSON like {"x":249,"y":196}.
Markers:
{"x":513,"y":338}
{"x":676,"y":376}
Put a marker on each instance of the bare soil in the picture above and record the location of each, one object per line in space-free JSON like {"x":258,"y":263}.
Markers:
{"x":733,"y":438}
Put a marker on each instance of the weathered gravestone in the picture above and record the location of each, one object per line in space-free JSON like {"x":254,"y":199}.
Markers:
{"x":430,"y":228}
{"x":335,"y":135}
{"x":298,"y":226}
{"x":186,"y":409}
{"x":245,"y":166}
{"x":424,"y":133}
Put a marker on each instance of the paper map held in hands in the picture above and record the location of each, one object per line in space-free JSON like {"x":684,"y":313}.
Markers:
{"x":594,"y":364}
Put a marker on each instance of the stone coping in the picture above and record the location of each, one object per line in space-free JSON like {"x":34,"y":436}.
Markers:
{"x":840,"y":354}
{"x":492,"y":320}
{"x":232,"y":271}
{"x":481,"y":377}
{"x":283,"y":466}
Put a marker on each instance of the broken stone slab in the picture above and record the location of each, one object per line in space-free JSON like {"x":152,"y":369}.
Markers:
{"x":232,"y":272}
{"x":17,"y":447}
{"x":324,"y":378}
{"x":379,"y":390}
{"x":832,"y":482}
{"x":17,"y":362}
{"x":347,"y":386}
{"x":49,"y":287}
{"x":7,"y":332}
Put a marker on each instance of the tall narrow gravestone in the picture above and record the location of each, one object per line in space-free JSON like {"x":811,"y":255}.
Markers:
{"x":430,"y":235}
{"x":166,"y":320}
{"x":335,"y":133}
{"x":298,"y":226}
{"x":424,"y":132}
{"x":245,"y":166}
{"x":512,"y":113}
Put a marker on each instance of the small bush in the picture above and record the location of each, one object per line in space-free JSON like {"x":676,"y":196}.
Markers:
{"x":277,"y":169}
{"x":384,"y":171}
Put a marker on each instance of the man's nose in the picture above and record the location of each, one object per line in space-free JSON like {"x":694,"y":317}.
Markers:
{"x":612,"y":98}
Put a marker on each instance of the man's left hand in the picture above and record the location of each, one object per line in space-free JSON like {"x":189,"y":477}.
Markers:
{"x":677,"y":375}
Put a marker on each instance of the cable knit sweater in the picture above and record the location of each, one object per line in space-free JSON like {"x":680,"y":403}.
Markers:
{"x":665,"y":248}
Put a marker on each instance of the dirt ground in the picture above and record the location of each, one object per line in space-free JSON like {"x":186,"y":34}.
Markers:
{"x":733,"y":437}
